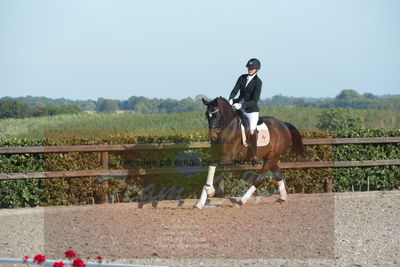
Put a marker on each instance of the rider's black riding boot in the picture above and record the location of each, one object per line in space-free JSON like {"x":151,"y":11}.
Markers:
{"x":253,"y":147}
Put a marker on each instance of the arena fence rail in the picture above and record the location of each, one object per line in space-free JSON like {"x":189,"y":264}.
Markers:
{"x":106,"y":149}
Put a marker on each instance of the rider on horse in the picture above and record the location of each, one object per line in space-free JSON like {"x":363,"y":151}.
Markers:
{"x":249,"y":86}
{"x":222,"y":117}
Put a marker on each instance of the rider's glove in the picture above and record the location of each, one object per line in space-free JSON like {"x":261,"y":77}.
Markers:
{"x":237,"y":106}
{"x":230,"y":102}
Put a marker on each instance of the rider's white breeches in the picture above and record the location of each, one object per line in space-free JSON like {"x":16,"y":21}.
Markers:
{"x":253,"y":118}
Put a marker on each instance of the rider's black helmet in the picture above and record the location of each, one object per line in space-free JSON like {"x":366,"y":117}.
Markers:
{"x":253,"y":63}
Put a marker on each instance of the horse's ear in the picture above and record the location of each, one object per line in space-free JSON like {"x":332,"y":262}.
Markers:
{"x":205,"y":102}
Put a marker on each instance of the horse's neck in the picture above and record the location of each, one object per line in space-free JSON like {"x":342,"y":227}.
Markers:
{"x":230,"y":120}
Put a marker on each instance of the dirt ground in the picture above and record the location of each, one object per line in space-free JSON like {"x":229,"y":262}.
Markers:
{"x":308,"y":229}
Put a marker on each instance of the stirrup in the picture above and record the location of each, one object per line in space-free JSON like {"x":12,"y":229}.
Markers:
{"x":255,"y":161}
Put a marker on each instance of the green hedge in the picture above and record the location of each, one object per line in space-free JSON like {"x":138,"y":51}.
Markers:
{"x":21,"y":193}
{"x":87,"y":190}
{"x":367,"y":178}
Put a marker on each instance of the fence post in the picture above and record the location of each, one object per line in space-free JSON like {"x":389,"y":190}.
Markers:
{"x":104,"y":159}
{"x":328,"y":185}
{"x":104,"y":164}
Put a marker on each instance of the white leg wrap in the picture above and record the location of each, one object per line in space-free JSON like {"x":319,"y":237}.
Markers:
{"x":248,"y":194}
{"x":203,"y":198}
{"x":282,"y":190}
{"x":210,"y":176}
{"x":208,"y":189}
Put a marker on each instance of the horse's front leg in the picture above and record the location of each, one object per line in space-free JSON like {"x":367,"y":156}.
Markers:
{"x":256,"y":184}
{"x":268,"y":164}
{"x":208,"y":188}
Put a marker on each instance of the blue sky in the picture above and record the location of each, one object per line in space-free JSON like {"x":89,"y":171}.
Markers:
{"x":177,"y":48}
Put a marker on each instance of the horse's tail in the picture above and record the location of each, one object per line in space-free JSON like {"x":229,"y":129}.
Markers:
{"x":298,"y":147}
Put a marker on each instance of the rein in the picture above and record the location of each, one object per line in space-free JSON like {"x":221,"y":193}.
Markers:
{"x":221,"y":123}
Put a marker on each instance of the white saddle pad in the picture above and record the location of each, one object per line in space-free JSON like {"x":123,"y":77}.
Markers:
{"x":263,"y":135}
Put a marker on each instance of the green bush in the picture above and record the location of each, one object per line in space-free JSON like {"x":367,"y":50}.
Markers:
{"x":339,"y":120}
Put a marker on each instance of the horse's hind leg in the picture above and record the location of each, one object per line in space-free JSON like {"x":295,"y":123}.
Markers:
{"x":276,"y":173}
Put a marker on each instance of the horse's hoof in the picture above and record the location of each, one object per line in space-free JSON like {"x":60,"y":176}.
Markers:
{"x":283,"y":195}
{"x":280,"y":200}
{"x":233,"y":200}
{"x":197,"y":206}
{"x":255,"y":163}
{"x":236,"y":206}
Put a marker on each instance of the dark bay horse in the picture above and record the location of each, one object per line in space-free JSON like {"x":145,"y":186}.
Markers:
{"x":227,"y":147}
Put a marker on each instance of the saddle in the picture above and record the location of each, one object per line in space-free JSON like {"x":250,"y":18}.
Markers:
{"x":262,"y":129}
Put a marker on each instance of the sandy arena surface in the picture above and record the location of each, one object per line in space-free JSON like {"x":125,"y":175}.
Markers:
{"x":341,"y":229}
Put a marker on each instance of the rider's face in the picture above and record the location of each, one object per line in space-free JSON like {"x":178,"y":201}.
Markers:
{"x":251,"y":72}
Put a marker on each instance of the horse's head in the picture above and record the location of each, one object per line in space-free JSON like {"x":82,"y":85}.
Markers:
{"x":219,"y":113}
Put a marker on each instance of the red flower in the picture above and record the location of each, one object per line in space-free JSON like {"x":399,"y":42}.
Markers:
{"x":58,"y":264}
{"x":99,"y":259}
{"x":78,"y":263}
{"x":39,"y":258}
{"x":25,"y":258}
{"x":70,"y":254}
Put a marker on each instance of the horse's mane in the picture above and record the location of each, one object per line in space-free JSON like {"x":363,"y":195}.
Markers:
{"x":227,"y":110}
{"x":230,"y":113}
{"x":221,"y":100}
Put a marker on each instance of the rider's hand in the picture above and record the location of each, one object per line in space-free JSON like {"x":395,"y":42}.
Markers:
{"x":237,"y":106}
{"x":230,"y":102}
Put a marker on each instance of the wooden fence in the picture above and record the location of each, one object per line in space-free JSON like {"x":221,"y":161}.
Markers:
{"x":106,"y":149}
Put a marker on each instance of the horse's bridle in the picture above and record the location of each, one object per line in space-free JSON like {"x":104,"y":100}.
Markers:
{"x":216,"y":128}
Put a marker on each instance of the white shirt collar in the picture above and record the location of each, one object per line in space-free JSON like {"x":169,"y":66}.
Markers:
{"x":250,"y":77}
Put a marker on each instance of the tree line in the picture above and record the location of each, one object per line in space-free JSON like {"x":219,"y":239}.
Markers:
{"x":11,"y":108}
{"x":345,"y":99}
{"x":42,"y":106}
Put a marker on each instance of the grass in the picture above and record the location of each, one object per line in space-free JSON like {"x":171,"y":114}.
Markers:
{"x":303,"y":118}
